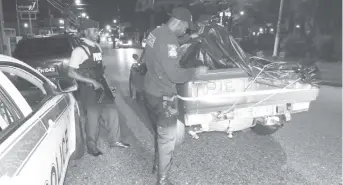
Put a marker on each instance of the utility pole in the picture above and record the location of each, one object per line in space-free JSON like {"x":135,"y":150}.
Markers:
{"x":50,"y":20}
{"x":152,"y":17}
{"x":18,"y":18}
{"x":30,"y":23}
{"x":1,"y":29}
{"x":277,"y":36}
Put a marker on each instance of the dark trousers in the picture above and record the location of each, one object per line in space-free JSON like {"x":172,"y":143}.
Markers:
{"x":165,"y":137}
{"x":103,"y":114}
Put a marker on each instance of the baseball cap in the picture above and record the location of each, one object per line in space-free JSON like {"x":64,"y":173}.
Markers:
{"x":85,"y":24}
{"x":182,"y":14}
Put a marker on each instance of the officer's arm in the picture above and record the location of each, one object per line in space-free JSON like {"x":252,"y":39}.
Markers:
{"x":184,"y":39}
{"x":77,"y":57}
{"x":170,"y":62}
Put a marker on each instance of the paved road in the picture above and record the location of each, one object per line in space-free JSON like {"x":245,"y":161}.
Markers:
{"x":307,"y":151}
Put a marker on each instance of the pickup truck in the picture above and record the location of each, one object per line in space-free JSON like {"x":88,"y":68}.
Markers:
{"x":237,"y":92}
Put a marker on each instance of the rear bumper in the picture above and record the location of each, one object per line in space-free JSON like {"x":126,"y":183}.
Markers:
{"x":204,"y":105}
{"x":243,"y":112}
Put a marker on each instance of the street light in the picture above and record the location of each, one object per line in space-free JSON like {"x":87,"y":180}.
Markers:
{"x":108,"y":27}
{"x":77,"y":2}
{"x":61,"y":21}
{"x":87,"y":17}
{"x":114,"y":21}
{"x":242,"y":12}
{"x":26,"y":25}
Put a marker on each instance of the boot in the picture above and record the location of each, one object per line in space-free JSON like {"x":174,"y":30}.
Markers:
{"x":94,"y":152}
{"x":163,"y":180}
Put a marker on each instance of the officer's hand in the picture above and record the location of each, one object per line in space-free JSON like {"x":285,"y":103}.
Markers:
{"x":201,"y":70}
{"x":97,"y":85}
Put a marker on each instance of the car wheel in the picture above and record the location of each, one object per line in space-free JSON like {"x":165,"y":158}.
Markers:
{"x":262,"y":129}
{"x":80,"y":147}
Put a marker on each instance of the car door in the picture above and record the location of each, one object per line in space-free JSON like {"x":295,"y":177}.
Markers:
{"x":36,"y":145}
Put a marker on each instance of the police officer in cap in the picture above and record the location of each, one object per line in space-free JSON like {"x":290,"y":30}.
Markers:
{"x":163,"y":73}
{"x":87,"y":68}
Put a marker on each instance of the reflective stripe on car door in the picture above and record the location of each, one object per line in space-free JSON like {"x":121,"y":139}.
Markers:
{"x":29,"y":155}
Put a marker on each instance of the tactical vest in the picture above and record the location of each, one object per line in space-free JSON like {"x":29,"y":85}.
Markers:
{"x":92,"y":67}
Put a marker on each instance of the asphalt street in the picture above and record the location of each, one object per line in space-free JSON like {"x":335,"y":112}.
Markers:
{"x":306,"y":151}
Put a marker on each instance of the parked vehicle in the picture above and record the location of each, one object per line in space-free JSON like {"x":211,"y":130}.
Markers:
{"x":237,"y":92}
{"x":39,"y":127}
{"x":47,"y":54}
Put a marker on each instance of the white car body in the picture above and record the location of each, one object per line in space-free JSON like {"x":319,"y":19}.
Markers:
{"x":36,"y":145}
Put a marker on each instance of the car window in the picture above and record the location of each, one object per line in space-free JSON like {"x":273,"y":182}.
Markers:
{"x":7,"y":115}
{"x":30,"y":87}
{"x":49,"y":46}
{"x":32,"y":94}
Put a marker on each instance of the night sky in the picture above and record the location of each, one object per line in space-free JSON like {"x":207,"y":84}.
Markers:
{"x":100,"y":10}
{"x":106,"y":10}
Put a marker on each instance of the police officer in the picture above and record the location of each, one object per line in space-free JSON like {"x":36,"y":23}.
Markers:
{"x":86,"y":67}
{"x":163,"y":72}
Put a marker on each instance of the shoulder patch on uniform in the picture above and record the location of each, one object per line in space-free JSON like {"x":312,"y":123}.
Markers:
{"x":172,"y":51}
{"x":151,"y":40}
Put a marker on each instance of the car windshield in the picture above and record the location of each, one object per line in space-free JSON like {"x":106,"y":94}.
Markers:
{"x":43,"y":47}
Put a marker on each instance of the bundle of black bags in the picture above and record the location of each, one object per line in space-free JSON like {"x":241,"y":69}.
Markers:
{"x":217,"y":49}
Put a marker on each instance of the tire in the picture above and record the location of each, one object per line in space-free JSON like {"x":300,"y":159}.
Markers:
{"x":79,"y":145}
{"x":261,"y":129}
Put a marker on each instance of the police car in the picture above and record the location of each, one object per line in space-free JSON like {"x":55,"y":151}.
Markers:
{"x":38,"y":126}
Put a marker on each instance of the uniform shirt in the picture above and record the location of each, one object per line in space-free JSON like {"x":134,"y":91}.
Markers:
{"x":79,"y":55}
{"x":162,"y":58}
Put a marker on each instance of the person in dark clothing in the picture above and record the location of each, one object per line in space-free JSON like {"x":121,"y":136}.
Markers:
{"x":86,"y":67}
{"x":163,"y":72}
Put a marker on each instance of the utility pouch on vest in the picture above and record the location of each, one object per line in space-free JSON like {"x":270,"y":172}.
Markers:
{"x":100,"y":94}
{"x":169,"y":104}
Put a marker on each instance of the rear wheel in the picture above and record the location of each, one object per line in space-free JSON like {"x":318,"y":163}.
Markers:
{"x":262,"y":129}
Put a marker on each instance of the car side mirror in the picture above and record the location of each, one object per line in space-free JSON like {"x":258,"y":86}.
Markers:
{"x":67,"y":85}
{"x":136,"y":57}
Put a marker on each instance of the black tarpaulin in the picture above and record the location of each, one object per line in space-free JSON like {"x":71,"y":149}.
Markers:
{"x":217,"y":49}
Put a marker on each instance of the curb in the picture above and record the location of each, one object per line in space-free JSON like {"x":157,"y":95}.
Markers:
{"x":334,"y":84}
